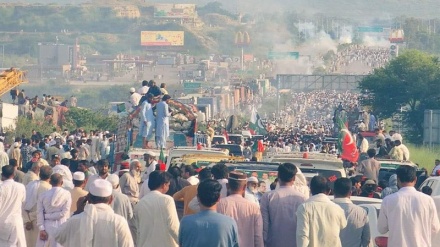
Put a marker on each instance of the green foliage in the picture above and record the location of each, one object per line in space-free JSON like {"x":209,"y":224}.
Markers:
{"x":75,"y":118}
{"x":424,"y":156}
{"x":411,"y":81}
{"x":90,"y":120}
{"x":25,"y":127}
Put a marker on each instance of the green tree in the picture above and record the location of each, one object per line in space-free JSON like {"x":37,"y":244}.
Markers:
{"x":90,"y":120}
{"x":412,"y":80}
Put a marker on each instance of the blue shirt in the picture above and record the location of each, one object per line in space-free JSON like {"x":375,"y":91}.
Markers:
{"x":208,"y":229}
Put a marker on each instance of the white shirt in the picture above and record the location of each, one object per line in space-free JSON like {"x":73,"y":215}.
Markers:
{"x":109,"y":230}
{"x":436,"y":237}
{"x":193,"y":180}
{"x":409,"y":217}
{"x":63,"y":171}
{"x":160,"y":212}
{"x":149,"y":170}
{"x":4,"y":159}
{"x":12,"y":197}
{"x":248,"y":195}
{"x":364,"y":146}
{"x":143,"y":90}
{"x":224,"y":191}
{"x":135,"y":98}
{"x":143,"y":190}
{"x":405,"y":151}
{"x":53,"y":205}
{"x":319,"y":222}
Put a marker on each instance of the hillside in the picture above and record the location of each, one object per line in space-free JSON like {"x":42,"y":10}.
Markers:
{"x":354,"y":9}
{"x":360,"y":10}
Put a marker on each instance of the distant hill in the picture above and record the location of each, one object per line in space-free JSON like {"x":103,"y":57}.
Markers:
{"x":354,"y":9}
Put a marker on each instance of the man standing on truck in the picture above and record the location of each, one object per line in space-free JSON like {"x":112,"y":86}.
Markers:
{"x":162,"y":122}
{"x":370,"y":167}
{"x":147,"y":120}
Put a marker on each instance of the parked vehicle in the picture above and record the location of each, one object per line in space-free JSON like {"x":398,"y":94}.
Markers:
{"x":434,"y":183}
{"x":234,"y":149}
{"x":219,"y":139}
{"x":236,"y":139}
{"x":326,"y":165}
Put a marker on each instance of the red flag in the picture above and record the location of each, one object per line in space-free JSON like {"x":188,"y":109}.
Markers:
{"x":260,"y":146}
{"x":162,"y":165}
{"x":349,"y":151}
{"x":225,"y":133}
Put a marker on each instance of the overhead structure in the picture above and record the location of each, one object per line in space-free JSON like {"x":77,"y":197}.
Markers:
{"x":11,"y":78}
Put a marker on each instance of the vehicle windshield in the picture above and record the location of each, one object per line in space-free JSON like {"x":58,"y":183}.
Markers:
{"x":219,"y":140}
{"x":331,"y":175}
{"x":235,"y":139}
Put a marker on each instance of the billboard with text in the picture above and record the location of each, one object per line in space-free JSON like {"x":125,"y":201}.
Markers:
{"x":174,"y":11}
{"x":162,"y":38}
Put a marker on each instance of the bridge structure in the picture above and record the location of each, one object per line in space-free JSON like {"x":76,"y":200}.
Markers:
{"x":301,"y":82}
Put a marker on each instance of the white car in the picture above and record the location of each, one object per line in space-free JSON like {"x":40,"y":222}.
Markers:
{"x":328,"y":166}
{"x":434,"y":183}
{"x":178,"y":152}
{"x":372,"y":205}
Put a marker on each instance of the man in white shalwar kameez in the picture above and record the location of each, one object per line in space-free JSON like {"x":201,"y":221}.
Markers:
{"x":148,"y":121}
{"x":4,"y":158}
{"x":94,"y":148}
{"x":97,"y":225}
{"x":408,"y":216}
{"x":12,"y":196}
{"x":53,"y":209}
{"x":162,"y":122}
{"x":33,"y":192}
{"x":155,"y":216}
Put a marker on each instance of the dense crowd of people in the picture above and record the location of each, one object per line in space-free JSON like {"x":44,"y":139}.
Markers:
{"x":185,"y":206}
{"x":373,"y":57}
{"x":66,"y":189}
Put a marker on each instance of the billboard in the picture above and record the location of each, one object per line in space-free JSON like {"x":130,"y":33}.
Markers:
{"x":183,"y":11}
{"x":162,"y":38}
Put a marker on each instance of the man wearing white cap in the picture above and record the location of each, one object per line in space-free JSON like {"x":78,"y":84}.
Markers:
{"x":150,"y":164}
{"x":78,"y":191}
{"x":251,"y":190}
{"x":98,"y":225}
{"x":129,"y":181}
{"x":33,"y":192}
{"x":53,"y":209}
{"x":134,"y":98}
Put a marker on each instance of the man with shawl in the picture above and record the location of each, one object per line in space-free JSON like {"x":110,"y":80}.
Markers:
{"x":98,"y":225}
{"x":53,"y":209}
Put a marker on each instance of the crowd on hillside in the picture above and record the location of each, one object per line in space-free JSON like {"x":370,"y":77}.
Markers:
{"x":373,"y":57}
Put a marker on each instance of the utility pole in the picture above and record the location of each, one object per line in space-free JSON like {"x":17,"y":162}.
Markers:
{"x":3,"y":56}
{"x":278,"y":95}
